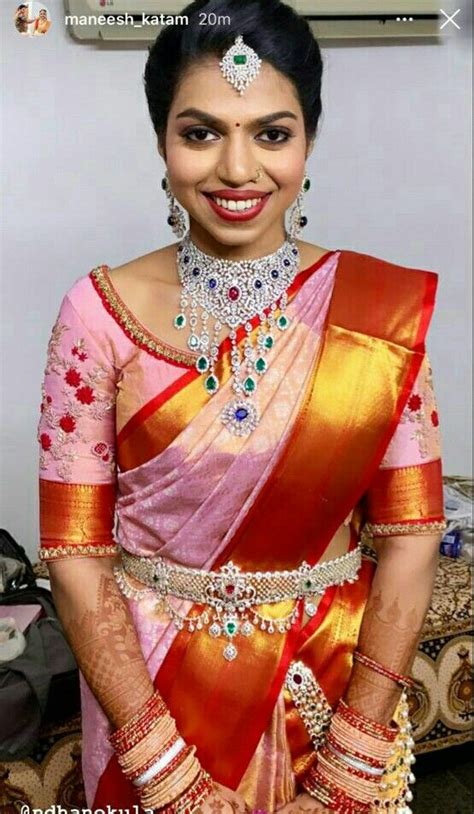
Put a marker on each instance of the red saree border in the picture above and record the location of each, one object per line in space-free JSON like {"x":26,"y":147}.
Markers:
{"x":153,"y":405}
{"x":176,"y":676}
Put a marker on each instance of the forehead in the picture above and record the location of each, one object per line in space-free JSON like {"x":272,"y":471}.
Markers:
{"x":203,"y":86}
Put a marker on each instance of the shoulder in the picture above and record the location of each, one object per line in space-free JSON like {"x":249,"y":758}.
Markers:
{"x":368,"y":276}
{"x":154,"y":268}
{"x":310,"y":253}
{"x":376,"y":296}
{"x":379,"y":270}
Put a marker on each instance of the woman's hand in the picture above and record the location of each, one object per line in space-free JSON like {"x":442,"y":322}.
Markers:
{"x":224,"y":801}
{"x":304,"y":804}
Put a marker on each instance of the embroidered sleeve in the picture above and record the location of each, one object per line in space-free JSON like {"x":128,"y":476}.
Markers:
{"x":76,"y":435}
{"x":406,"y":495}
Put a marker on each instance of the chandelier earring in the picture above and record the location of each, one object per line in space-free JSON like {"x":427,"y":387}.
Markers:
{"x":298,"y":219}
{"x":176,"y":218}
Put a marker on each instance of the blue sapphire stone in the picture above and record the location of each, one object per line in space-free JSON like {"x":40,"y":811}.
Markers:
{"x":258,"y":284}
{"x":186,"y":258}
{"x":275,"y":274}
{"x":196,"y":272}
{"x":286,"y":262}
{"x":212,"y":283}
{"x":241,"y":414}
{"x":295,"y":251}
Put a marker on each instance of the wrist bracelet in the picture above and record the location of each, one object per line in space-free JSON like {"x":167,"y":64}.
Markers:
{"x":377,"y":667}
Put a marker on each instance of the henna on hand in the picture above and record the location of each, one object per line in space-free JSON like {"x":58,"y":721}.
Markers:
{"x":99,"y":627}
{"x":393,"y":620}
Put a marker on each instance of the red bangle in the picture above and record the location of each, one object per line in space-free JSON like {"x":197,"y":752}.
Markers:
{"x":371,"y":664}
{"x":365,"y":725}
{"x":323,"y":790}
{"x":139,"y":725}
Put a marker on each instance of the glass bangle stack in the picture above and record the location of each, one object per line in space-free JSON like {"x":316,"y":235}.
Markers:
{"x":153,"y":756}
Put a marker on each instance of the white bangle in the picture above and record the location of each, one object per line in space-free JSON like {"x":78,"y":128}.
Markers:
{"x":356,"y":763}
{"x":160,"y":764}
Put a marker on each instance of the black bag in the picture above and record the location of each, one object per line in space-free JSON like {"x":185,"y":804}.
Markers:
{"x":41,"y":685}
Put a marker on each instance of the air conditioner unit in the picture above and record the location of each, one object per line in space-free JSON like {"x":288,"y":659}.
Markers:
{"x":130,"y":20}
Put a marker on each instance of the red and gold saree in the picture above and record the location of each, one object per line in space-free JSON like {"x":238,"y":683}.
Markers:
{"x":348,"y":430}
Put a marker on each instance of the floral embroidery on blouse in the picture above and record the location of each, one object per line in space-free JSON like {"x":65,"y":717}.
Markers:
{"x":419,"y":422}
{"x":77,"y":393}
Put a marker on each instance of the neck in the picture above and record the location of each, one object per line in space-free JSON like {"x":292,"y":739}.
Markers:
{"x":266,"y":244}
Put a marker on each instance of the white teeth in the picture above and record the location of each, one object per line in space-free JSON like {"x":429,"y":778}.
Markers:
{"x":236,"y":206}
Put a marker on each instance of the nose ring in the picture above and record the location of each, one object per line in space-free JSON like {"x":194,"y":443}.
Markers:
{"x":258,"y":176}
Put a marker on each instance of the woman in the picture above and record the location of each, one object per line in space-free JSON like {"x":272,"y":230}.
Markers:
{"x":247,"y":404}
{"x":42,"y":23}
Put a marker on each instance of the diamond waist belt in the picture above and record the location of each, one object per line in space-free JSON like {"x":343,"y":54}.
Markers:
{"x":232,"y":596}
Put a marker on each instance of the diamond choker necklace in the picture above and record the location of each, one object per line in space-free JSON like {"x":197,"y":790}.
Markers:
{"x":234,"y":292}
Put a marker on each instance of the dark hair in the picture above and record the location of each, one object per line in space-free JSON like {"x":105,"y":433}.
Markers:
{"x":277,"y":33}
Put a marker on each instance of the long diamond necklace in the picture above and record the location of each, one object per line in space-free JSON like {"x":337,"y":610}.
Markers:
{"x":234,"y":292}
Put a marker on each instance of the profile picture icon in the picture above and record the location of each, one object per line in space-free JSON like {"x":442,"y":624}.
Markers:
{"x":32,"y":19}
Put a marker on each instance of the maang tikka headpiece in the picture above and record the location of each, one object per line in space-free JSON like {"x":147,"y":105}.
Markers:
{"x":240,"y":65}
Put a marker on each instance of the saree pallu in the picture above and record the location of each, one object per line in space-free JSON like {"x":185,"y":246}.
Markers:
{"x":337,"y":383}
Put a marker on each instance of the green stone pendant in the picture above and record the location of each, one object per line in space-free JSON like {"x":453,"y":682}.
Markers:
{"x":231,"y":627}
{"x":283,"y":322}
{"x":180,"y":321}
{"x":212,"y":384}
{"x":249,"y":384}
{"x":261,"y":365}
{"x":202,"y":364}
{"x":269,"y":342}
{"x":240,"y":59}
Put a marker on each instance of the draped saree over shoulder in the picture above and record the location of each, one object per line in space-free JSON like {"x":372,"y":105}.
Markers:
{"x":337,"y":382}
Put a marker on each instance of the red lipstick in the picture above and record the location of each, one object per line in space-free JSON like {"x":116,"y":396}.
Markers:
{"x":237,"y":216}
{"x":237,"y":194}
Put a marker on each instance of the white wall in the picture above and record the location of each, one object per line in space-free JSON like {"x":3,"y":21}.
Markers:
{"x":391,"y":177}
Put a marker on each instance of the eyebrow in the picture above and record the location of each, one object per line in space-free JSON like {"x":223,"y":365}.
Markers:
{"x":213,"y":121}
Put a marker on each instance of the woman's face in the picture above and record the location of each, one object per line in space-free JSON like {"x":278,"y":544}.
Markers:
{"x":215,"y":142}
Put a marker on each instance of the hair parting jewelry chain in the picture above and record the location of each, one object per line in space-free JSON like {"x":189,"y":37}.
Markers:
{"x":364,"y":767}
{"x":163,"y":769}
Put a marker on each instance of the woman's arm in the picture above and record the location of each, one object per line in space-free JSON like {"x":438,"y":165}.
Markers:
{"x":398,"y":602}
{"x":100,"y":630}
{"x":102,"y":635}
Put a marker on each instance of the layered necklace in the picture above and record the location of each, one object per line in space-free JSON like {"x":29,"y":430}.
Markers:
{"x":234,"y":292}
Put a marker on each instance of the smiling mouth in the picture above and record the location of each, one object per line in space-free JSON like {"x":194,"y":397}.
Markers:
{"x":232,"y":205}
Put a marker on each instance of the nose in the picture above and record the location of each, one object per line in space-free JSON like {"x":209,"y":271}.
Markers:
{"x":237,"y":162}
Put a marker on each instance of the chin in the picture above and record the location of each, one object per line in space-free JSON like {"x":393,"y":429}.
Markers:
{"x":243,"y":234}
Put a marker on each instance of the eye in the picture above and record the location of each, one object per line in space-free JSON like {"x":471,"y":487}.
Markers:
{"x":198,"y":134}
{"x":276,"y":135}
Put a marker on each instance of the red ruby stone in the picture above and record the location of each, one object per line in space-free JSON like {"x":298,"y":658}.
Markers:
{"x":229,"y":589}
{"x":233,"y":293}
{"x":297,"y":678}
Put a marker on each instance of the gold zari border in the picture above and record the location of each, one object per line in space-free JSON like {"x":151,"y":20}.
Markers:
{"x":131,"y":326}
{"x":407,"y":494}
{"x":387,"y":529}
{"x":63,"y":551}
{"x":76,"y":514}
